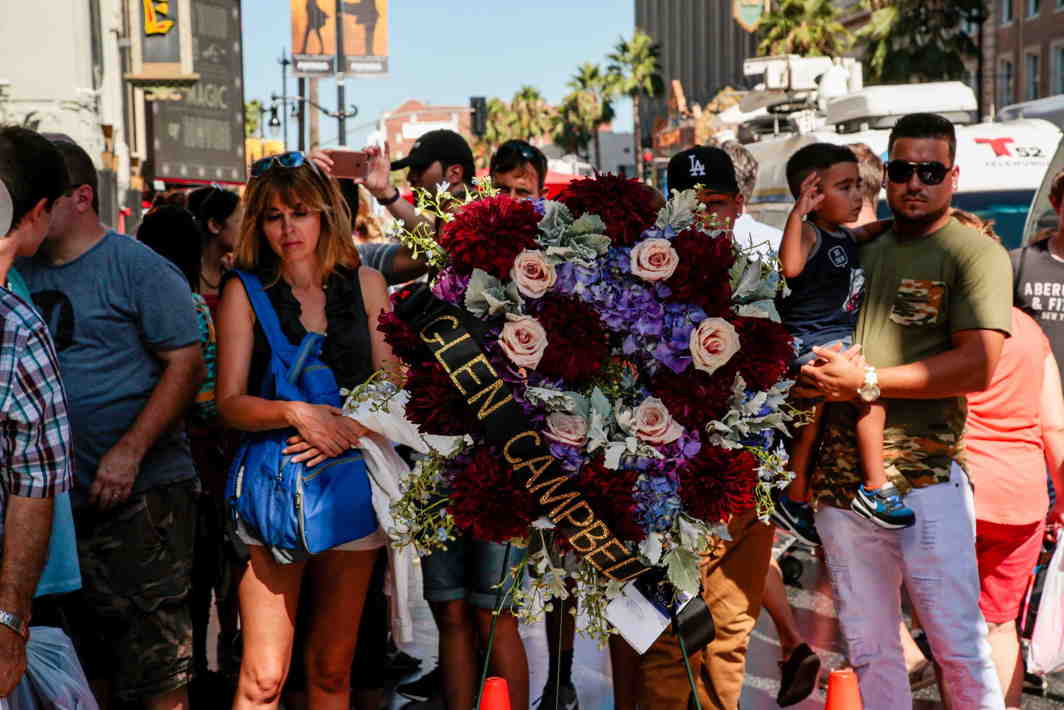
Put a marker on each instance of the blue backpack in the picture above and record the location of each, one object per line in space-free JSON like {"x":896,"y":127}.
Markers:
{"x":287,"y":505}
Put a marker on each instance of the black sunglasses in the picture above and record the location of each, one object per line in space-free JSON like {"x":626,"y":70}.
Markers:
{"x":930,"y":173}
{"x":291,"y":159}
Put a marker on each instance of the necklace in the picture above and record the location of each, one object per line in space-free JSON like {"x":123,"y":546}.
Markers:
{"x":206,"y":282}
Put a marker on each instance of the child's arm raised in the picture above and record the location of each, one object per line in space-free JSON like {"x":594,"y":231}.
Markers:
{"x":868,"y":232}
{"x":799,"y":238}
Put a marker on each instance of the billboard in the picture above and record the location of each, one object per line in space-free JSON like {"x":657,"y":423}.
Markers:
{"x":357,"y":46}
{"x":199,"y":137}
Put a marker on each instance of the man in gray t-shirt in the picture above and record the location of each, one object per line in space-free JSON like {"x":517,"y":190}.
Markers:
{"x":126,"y":335}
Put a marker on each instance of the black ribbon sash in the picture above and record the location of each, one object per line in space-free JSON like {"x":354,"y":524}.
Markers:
{"x":441,"y":328}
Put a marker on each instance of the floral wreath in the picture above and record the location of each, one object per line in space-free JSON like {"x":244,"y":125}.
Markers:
{"x":641,"y":343}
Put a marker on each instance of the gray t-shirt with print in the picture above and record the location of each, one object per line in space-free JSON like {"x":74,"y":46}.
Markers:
{"x":109,"y":311}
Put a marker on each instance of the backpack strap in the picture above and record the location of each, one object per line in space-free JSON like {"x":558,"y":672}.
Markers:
{"x":267,"y":317}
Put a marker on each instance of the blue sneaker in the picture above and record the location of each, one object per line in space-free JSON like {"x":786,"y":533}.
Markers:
{"x":796,"y":518}
{"x":883,"y":507}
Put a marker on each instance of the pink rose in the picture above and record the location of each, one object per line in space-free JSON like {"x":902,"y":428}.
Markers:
{"x":654,"y":259}
{"x":523,"y":340}
{"x":713,"y":343}
{"x":532,"y":273}
{"x":568,"y":429}
{"x":653,"y":423}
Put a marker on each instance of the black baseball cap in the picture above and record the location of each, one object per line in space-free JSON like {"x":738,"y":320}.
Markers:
{"x":709,"y":167}
{"x":442,"y":145}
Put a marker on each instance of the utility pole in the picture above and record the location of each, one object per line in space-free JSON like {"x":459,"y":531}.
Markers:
{"x":284,"y":61}
{"x":314,"y":129}
{"x":302,"y":115}
{"x":341,"y":119}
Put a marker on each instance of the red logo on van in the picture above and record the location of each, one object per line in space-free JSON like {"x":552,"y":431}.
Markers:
{"x":998,"y":145}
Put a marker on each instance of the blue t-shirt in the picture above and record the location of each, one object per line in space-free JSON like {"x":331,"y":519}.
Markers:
{"x":109,"y":311}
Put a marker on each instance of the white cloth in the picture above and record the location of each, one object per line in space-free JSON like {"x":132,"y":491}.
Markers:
{"x":386,"y":471}
{"x":936,"y":560}
{"x":763,"y":238}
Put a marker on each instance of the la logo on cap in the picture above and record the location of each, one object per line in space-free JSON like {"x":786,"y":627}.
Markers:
{"x":697,"y":168}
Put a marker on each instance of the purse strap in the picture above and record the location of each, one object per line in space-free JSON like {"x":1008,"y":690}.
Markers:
{"x":294,"y":359}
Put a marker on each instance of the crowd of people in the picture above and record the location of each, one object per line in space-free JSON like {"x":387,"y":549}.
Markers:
{"x":131,"y":368}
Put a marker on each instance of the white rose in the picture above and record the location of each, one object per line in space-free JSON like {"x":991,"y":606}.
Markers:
{"x":653,"y":423}
{"x":523,"y":340}
{"x":532,"y":273}
{"x":568,"y":429}
{"x":654,"y":259}
{"x":713,"y":343}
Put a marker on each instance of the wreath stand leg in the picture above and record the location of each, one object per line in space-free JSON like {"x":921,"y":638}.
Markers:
{"x":499,"y":599}
{"x":686,"y":659}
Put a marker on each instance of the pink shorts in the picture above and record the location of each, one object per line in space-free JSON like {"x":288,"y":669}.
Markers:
{"x":1007,"y":555}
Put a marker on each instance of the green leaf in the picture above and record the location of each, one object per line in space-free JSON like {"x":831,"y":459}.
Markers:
{"x":683,"y":570}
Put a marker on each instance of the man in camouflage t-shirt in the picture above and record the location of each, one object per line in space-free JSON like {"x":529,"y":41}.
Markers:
{"x":935,"y":316}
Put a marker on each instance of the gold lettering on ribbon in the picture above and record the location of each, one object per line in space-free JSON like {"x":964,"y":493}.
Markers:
{"x":588,"y":539}
{"x":490,"y":404}
{"x":549,"y":497}
{"x":431,"y":337}
{"x":467,"y":369}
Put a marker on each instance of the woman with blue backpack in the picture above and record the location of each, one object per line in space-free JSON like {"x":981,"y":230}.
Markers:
{"x":298,"y":321}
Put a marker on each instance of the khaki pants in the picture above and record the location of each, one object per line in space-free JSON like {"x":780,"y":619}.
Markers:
{"x":733,"y":578}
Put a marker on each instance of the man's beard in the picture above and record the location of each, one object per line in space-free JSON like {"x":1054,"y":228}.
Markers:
{"x":906,"y":224}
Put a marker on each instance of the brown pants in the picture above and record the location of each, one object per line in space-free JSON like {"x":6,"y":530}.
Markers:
{"x":733,"y":578}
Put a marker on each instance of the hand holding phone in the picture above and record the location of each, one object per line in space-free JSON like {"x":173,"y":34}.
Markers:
{"x":349,"y":164}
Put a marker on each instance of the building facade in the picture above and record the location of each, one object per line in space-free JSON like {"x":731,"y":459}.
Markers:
{"x":1028,"y":53}
{"x":702,"y":46}
{"x":412,"y":119}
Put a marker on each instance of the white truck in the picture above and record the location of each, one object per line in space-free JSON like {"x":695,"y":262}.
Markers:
{"x":1002,"y":164}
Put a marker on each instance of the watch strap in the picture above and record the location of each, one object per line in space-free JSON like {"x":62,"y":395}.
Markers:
{"x":390,"y":200}
{"x":14,"y":622}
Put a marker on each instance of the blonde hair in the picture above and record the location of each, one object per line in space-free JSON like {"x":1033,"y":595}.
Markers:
{"x":983,"y":226}
{"x":365,"y":220}
{"x":318,"y":192}
{"x":870,"y":168}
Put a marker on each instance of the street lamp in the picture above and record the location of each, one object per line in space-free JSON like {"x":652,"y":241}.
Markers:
{"x":341,"y":116}
{"x":275,"y":122}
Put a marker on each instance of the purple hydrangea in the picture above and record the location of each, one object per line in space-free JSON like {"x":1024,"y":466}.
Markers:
{"x":657,"y":502}
{"x":450,"y":286}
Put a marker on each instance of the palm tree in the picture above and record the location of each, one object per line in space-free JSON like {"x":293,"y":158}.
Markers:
{"x":576,"y":121}
{"x":805,"y":27}
{"x":924,"y":40}
{"x":590,"y":77}
{"x":499,"y":127}
{"x":636,"y":73}
{"x":531,"y":114}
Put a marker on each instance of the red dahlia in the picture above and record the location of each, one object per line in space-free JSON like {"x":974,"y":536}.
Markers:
{"x":694,"y":398}
{"x":489,"y":234}
{"x":766,"y":353}
{"x":435,"y":405}
{"x":404,"y":342}
{"x":718,"y":483}
{"x":488,"y":501}
{"x":577,"y":346}
{"x":627,"y":206}
{"x":610,"y":494}
{"x":702,"y":277}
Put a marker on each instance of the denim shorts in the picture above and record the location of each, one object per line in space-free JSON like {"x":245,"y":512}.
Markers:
{"x":472,"y":570}
{"x":806,"y":354}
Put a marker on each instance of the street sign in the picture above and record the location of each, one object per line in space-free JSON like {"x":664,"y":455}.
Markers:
{"x":200,"y":136}
{"x":357,"y":47}
{"x":749,"y":12}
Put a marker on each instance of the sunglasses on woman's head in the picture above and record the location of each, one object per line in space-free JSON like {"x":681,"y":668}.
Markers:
{"x":930,"y":173}
{"x":291,"y":159}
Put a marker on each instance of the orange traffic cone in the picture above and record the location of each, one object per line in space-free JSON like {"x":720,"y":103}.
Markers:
{"x":843,"y":693}
{"x":496,"y":695}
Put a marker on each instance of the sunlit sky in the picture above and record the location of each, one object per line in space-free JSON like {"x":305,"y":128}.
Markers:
{"x":445,"y":52}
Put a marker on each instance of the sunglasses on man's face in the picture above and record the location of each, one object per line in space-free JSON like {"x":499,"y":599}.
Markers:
{"x":291,"y":159}
{"x":930,"y":173}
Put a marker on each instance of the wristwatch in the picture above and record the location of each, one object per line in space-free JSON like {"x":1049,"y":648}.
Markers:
{"x":15,"y":623}
{"x":869,"y":390}
{"x":390,"y":200}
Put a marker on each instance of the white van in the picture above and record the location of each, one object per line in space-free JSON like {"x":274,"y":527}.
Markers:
{"x":1002,"y":165}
